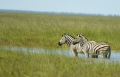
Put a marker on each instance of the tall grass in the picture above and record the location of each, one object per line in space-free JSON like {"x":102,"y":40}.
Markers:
{"x":17,"y":64}
{"x":42,"y":30}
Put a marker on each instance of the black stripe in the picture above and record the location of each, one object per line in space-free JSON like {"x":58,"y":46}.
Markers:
{"x":69,"y":39}
{"x":98,"y":50}
{"x":95,"y":48}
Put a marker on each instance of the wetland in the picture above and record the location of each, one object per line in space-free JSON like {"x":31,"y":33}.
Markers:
{"x":28,"y":45}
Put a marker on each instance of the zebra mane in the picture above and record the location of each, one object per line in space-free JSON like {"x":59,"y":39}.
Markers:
{"x":69,"y":35}
{"x":80,"y":39}
{"x":69,"y":39}
{"x":80,"y":35}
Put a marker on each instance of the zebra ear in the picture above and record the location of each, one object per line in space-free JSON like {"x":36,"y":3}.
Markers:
{"x":64,"y":34}
{"x":79,"y":35}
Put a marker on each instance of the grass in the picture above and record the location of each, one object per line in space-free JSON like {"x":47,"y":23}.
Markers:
{"x":44,"y":30}
{"x":18,"y":64}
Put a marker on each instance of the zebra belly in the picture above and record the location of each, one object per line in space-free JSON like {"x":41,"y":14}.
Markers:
{"x":80,"y":51}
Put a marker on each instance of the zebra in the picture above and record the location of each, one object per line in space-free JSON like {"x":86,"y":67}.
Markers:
{"x":90,"y":47}
{"x":68,"y":39}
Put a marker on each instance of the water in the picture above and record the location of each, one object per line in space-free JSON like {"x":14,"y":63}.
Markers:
{"x":115,"y":56}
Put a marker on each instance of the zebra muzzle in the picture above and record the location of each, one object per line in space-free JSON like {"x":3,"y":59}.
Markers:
{"x":59,"y":44}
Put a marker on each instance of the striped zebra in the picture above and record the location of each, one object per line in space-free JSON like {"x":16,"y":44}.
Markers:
{"x":91,"y":47}
{"x":68,"y":39}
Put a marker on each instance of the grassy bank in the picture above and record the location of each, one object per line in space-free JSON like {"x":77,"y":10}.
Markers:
{"x":42,"y":30}
{"x":17,"y":64}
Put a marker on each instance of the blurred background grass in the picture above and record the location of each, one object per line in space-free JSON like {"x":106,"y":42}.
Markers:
{"x":45,"y":30}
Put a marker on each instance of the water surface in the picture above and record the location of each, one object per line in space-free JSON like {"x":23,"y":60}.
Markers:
{"x":115,"y":56}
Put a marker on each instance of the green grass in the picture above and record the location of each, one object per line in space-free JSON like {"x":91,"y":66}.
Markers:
{"x":42,"y":30}
{"x":18,"y":64}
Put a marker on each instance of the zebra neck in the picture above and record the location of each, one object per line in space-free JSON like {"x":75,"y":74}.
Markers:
{"x":69,"y":40}
{"x":68,"y":43}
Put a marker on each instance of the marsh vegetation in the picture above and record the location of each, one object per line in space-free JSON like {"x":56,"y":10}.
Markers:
{"x":44,"y":31}
{"x":17,"y":64}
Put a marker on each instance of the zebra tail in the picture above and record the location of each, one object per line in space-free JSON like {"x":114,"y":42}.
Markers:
{"x":109,"y":53}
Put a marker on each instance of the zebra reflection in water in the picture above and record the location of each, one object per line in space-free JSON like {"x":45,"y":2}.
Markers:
{"x":68,"y":39}
{"x":93,"y":48}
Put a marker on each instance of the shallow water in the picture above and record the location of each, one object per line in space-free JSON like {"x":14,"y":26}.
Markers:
{"x":115,"y":56}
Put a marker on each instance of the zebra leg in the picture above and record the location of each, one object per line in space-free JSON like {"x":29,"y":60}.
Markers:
{"x":94,"y":56}
{"x":103,"y":55}
{"x":75,"y":54}
{"x":109,"y":54}
{"x":106,"y":56}
{"x":87,"y":55}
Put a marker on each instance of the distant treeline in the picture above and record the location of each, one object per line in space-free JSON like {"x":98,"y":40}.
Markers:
{"x":65,"y":13}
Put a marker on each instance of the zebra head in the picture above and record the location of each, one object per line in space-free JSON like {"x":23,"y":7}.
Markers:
{"x":80,"y":38}
{"x":66,"y":39}
{"x":62,"y":40}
